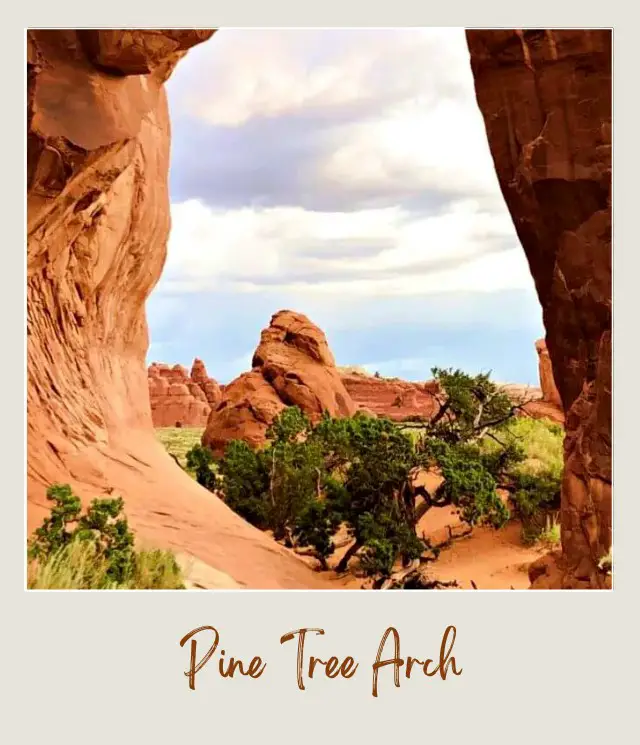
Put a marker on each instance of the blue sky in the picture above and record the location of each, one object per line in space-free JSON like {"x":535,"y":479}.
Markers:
{"x":344,"y":174}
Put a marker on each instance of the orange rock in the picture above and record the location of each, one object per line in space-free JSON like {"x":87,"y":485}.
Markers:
{"x":545,"y":96}
{"x":179,"y":398}
{"x":292,"y":366}
{"x":391,"y":397}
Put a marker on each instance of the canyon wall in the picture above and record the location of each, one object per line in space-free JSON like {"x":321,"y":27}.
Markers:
{"x":98,"y":220}
{"x":546,"y":101}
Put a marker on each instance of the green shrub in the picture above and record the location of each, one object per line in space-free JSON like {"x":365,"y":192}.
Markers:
{"x":245,"y":482}
{"x":535,"y":496}
{"x":309,"y":480}
{"x":199,"y":461}
{"x":177,"y":441}
{"x":94,"y":550}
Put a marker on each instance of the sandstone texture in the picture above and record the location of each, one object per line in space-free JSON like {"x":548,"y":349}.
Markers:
{"x":98,"y":220}
{"x":546,"y":101}
{"x":292,"y":366}
{"x":180,"y":399}
{"x":391,"y":397}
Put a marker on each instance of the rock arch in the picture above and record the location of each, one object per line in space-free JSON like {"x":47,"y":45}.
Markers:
{"x":98,"y":219}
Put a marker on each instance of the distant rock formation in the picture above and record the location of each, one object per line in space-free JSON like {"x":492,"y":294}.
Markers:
{"x":550,"y":392}
{"x":180,"y":399}
{"x":292,"y":366}
{"x":391,"y":397}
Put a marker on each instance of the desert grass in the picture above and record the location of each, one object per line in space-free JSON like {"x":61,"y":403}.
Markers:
{"x":549,"y":537}
{"x":179,"y":440}
{"x":541,"y":440}
{"x":77,"y":567}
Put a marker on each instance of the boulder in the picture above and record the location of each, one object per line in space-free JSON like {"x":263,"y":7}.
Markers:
{"x":292,"y":366}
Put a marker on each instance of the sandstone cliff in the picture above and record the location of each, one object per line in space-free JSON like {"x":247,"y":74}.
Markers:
{"x":546,"y":100}
{"x":391,"y":397}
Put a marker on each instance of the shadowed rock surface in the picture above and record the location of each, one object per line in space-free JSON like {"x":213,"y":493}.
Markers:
{"x":546,"y":101}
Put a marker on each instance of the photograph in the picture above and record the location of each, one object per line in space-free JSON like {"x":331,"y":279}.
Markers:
{"x":318,"y":309}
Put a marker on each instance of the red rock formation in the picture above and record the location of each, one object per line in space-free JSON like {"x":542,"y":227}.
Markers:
{"x":547,"y":383}
{"x":209,"y":386}
{"x":176,"y":399}
{"x":546,"y":101}
{"x":186,"y":403}
{"x":98,"y":218}
{"x":391,"y":397}
{"x":292,"y":366}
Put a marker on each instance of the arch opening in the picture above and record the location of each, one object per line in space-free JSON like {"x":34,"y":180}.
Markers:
{"x":98,"y":221}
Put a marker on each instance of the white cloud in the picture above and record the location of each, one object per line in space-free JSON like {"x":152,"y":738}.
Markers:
{"x":250,"y":250}
{"x":244,"y":74}
{"x":438,"y":148}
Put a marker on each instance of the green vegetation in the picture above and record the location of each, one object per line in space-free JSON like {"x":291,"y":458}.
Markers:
{"x":308,"y":481}
{"x":93,"y":550}
{"x":541,"y":442}
{"x":550,"y":536}
{"x":179,"y":440}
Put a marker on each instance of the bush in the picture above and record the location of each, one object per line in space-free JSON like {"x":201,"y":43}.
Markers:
{"x":535,"y":496}
{"x":199,"y":462}
{"x":97,"y":552}
{"x":244,"y":482}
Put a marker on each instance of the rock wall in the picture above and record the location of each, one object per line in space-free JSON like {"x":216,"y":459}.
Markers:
{"x":98,"y":219}
{"x":546,"y":101}
{"x":292,"y":366}
{"x":391,"y":397}
{"x":180,"y":399}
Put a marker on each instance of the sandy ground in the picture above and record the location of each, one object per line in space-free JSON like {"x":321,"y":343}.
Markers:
{"x":492,"y":559}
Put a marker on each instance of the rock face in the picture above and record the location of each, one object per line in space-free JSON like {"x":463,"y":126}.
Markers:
{"x":292,"y":366}
{"x":98,"y":219}
{"x":391,"y":397}
{"x":546,"y":101}
{"x":180,"y":399}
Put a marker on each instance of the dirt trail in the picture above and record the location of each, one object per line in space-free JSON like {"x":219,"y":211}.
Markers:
{"x":492,"y":559}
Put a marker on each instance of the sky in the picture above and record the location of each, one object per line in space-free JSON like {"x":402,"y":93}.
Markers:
{"x":346,"y":175}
